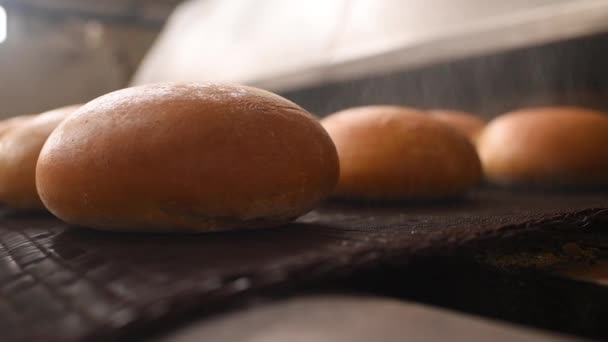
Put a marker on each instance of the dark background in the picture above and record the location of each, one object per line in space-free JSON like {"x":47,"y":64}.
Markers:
{"x":573,"y":72}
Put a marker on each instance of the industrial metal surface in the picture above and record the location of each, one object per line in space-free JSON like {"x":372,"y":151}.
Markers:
{"x":284,"y":46}
{"x":483,"y":34}
{"x":351,"y":318}
{"x":570,"y":72}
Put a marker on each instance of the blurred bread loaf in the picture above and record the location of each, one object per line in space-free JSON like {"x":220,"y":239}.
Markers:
{"x":19,"y":150}
{"x":468,"y":124}
{"x":550,"y":146}
{"x":389,"y":153}
{"x":8,"y":124}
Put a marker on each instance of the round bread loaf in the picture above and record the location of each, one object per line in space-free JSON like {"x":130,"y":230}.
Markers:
{"x":19,"y":150}
{"x":468,"y":124}
{"x":389,"y":153}
{"x":186,"y":157}
{"x":8,"y":124}
{"x":551,"y":146}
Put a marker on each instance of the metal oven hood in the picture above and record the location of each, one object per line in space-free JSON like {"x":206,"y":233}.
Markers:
{"x":556,"y":54}
{"x":439,"y":31}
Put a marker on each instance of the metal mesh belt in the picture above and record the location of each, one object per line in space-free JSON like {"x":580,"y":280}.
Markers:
{"x":63,"y":284}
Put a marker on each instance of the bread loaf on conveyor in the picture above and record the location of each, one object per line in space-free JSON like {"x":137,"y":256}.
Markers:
{"x":186,"y":157}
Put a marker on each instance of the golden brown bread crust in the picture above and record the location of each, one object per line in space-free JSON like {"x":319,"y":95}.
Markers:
{"x":8,"y":124}
{"x":562,"y":146}
{"x":19,"y":149}
{"x":469,"y":124}
{"x":389,"y":153}
{"x":186,"y":157}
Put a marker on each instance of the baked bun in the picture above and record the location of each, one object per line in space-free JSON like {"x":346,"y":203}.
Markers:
{"x":389,"y":153}
{"x":468,"y":124}
{"x":550,"y":146}
{"x":8,"y":124}
{"x":19,"y":150}
{"x":186,"y":157}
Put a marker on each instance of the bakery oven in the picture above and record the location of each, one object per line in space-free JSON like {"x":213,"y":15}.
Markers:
{"x":246,"y":170}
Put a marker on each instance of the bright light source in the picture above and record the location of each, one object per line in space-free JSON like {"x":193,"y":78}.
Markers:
{"x":2,"y":25}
